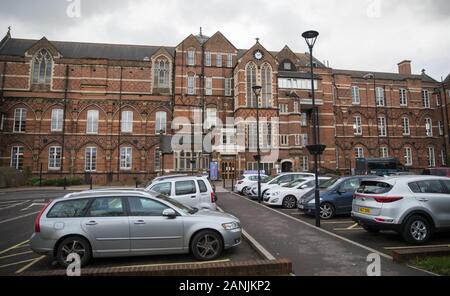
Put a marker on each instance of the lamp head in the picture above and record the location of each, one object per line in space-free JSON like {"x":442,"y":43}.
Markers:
{"x":257,"y":90}
{"x":310,"y":37}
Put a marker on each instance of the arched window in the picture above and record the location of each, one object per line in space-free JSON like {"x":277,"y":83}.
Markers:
{"x":250,"y":72}
{"x":42,"y":67}
{"x":266,"y":92}
{"x":161,"y":73}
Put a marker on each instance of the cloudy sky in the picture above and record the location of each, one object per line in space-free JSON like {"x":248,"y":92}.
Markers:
{"x":354,"y":34}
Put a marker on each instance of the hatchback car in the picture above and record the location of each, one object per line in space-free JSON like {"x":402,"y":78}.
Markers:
{"x":288,"y":195}
{"x":245,"y":182}
{"x":130,"y":223}
{"x":414,"y":206}
{"x":336,"y":197}
{"x":192,"y":191}
{"x":279,"y":180}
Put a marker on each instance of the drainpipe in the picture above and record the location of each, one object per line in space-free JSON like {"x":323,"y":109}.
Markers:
{"x":120,"y":123}
{"x":66,"y":88}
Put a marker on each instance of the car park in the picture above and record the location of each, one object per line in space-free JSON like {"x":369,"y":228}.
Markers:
{"x":192,"y":191}
{"x":414,"y":206}
{"x":246,"y":181}
{"x":120,"y":223}
{"x":336,"y":197}
{"x":279,"y":180}
{"x":288,"y":195}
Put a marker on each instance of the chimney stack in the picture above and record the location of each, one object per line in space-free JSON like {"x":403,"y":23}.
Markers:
{"x":404,"y":68}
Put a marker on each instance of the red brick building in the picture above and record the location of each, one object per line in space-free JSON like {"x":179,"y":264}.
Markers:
{"x":111,"y":111}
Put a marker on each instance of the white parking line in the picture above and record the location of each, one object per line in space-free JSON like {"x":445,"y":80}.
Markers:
{"x":35,"y":204}
{"x":13,"y":205}
{"x":338,"y":222}
{"x":19,"y":245}
{"x":17,"y":263}
{"x":18,"y":217}
{"x":416,"y":247}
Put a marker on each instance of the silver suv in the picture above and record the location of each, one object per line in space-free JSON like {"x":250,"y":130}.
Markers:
{"x":414,"y":206}
{"x":130,"y":223}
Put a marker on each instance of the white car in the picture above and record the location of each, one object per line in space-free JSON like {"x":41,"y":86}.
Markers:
{"x":246,"y":181}
{"x":192,"y":191}
{"x":289,"y":194}
{"x":281,"y":179}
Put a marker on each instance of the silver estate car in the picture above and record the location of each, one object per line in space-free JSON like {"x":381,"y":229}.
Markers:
{"x":414,"y":206}
{"x":113,"y":223}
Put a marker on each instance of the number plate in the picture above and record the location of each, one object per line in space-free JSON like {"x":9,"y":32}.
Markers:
{"x":364,"y":210}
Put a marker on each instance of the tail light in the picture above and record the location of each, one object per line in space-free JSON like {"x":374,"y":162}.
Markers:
{"x":380,"y":199}
{"x":213,"y":197}
{"x":37,"y":225}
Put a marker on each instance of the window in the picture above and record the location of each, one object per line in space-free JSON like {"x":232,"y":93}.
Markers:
{"x":296,"y":110}
{"x":208,"y":86}
{"x":54,"y":158}
{"x":69,"y":209}
{"x":405,"y":126}
{"x":359,"y":152}
{"x":431,"y":157}
{"x":211,"y":117}
{"x":20,"y":120}
{"x":429,"y":127}
{"x":384,"y":152}
{"x":267,"y":167}
{"x":191,"y":57}
{"x":425,"y":98}
{"x":107,"y":207}
{"x":298,"y":140}
{"x":287,"y":66}
{"x":284,"y":108}
{"x":90,"y":159}
{"x":304,"y":164}
{"x":17,"y":157}
{"x":218,"y":60}
{"x":57,"y":120}
{"x":2,"y":121}
{"x":42,"y":67}
{"x":443,"y":157}
{"x":350,"y":185}
{"x":304,"y":140}
{"x":202,"y":186}
{"x":428,"y":186}
{"x":293,"y":83}
{"x":304,"y":119}
{"x":126,"y":158}
{"x":160,"y":123}
{"x":266,"y":134}
{"x":208,"y":59}
{"x":127,"y":121}
{"x":229,"y":60}
{"x":145,"y":207}
{"x":92,"y":122}
{"x":183,"y":160}
{"x":356,"y":100}
{"x":228,"y":86}
{"x":185,"y":187}
{"x":284,"y":140}
{"x":382,"y":126}
{"x":408,"y":157}
{"x":441,"y":128}
{"x":266,"y":82}
{"x":191,"y":84}
{"x":250,"y":82}
{"x":162,"y":73}
{"x":163,"y":188}
{"x":357,"y":126}
{"x":403,"y":97}
{"x":379,"y":96}
{"x":157,"y":162}
{"x":251,"y":135}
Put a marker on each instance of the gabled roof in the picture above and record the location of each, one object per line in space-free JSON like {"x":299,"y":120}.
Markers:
{"x":18,"y":47}
{"x":303,"y":57}
{"x":384,"y":75}
{"x":447,"y":80}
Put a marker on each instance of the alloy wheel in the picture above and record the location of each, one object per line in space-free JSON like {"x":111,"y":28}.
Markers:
{"x":289,"y":202}
{"x":73,"y":247}
{"x":418,"y":230}
{"x":208,"y":246}
{"x":326,"y":211}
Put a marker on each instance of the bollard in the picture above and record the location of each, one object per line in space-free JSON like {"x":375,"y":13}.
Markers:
{"x":90,"y":181}
{"x":65,"y":182}
{"x":40,"y":176}
{"x":232,"y":184}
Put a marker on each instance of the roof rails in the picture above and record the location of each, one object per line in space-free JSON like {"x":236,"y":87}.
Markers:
{"x":105,"y":191}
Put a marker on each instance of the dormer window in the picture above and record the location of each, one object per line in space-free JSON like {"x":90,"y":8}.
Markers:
{"x":42,"y":67}
{"x":287,"y":66}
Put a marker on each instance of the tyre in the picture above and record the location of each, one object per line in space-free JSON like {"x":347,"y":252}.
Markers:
{"x":73,"y":244}
{"x":290,"y":202}
{"x":417,"y":230}
{"x":326,"y":211}
{"x":371,"y":229}
{"x":244,"y":190}
{"x":206,"y":245}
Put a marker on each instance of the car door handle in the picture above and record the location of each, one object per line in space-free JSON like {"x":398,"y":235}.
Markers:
{"x":139,"y":222}
{"x":423,"y":199}
{"x":194,"y":196}
{"x":91,"y":223}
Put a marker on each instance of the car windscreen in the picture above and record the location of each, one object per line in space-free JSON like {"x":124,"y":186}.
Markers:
{"x":266,"y":180}
{"x":185,"y":209}
{"x":374,"y":187}
{"x":328,"y":183}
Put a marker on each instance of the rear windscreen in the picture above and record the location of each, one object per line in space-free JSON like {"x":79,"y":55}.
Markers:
{"x":374,"y":187}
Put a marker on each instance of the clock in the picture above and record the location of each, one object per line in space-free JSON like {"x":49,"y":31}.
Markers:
{"x":258,"y":55}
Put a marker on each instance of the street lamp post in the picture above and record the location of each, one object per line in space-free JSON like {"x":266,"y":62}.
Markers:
{"x":316,"y":149}
{"x":257,"y":92}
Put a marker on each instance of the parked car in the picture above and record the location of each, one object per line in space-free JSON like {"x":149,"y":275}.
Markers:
{"x":281,"y":179}
{"x":289,"y":194}
{"x":191,"y":191}
{"x":245,"y":182}
{"x":414,"y":206}
{"x":119,"y":223}
{"x":336,"y":197}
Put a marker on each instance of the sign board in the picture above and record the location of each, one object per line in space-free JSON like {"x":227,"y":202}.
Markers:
{"x":214,"y":171}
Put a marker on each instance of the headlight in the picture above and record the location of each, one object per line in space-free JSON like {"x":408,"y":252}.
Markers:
{"x":313,"y":201}
{"x":231,"y":225}
{"x":276,"y":193}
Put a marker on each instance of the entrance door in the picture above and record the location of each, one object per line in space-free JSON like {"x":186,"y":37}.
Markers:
{"x":228,"y":169}
{"x":286,"y":167}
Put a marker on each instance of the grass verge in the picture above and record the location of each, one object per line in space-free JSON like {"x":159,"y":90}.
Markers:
{"x":437,"y":264}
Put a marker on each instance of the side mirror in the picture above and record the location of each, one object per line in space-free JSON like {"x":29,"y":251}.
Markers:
{"x":169,"y":213}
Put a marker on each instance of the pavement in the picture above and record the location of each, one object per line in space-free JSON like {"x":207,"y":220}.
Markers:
{"x":313,"y":251}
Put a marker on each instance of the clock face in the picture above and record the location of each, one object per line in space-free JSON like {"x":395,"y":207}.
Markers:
{"x":258,"y":55}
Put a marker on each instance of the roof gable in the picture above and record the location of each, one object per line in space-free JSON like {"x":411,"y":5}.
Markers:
{"x":43,"y":43}
{"x":218,"y":36}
